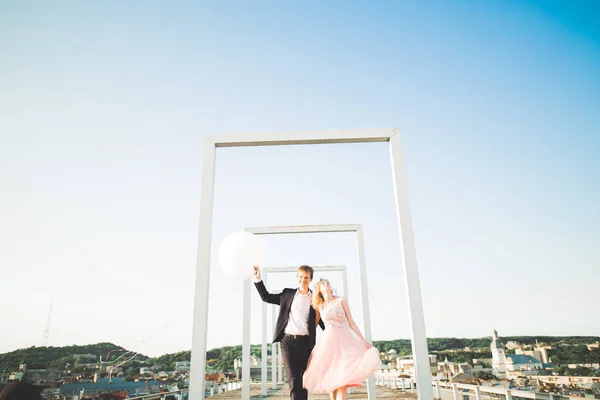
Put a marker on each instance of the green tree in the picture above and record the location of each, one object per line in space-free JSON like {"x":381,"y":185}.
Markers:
{"x":484,"y":375}
{"x":582,"y":371}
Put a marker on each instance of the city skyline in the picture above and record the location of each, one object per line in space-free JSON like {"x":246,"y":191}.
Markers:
{"x":103,"y":113}
{"x":508,"y":342}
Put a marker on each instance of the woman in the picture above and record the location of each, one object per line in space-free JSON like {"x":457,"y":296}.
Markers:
{"x":342,"y":358}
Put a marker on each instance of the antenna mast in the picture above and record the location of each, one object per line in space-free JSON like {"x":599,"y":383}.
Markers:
{"x":47,"y":328}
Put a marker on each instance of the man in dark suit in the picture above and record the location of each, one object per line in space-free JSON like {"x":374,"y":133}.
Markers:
{"x":296,"y":327}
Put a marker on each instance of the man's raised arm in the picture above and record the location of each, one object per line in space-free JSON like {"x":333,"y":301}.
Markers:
{"x":262,"y":290}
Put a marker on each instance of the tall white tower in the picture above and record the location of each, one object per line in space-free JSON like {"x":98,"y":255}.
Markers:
{"x":498,"y":355}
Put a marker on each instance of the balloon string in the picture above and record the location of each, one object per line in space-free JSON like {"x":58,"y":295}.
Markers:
{"x":131,"y":354}
{"x":218,"y":296}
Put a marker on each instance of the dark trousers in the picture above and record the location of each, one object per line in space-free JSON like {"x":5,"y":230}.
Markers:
{"x":295,"y":352}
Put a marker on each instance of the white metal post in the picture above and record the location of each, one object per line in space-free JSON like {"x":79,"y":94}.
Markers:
{"x":263,"y":361}
{"x":345,"y":282}
{"x":411,"y":273}
{"x":364,"y":292}
{"x":246,"y":344}
{"x":199,"y":330}
{"x":279,"y":365}
{"x":274,"y":352}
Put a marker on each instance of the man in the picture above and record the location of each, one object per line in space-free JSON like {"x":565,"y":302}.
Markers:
{"x":295,"y":328}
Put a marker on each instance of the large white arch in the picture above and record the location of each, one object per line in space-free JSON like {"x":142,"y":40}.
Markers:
{"x":407,"y":242}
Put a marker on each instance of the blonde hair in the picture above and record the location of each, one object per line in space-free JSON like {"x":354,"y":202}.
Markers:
{"x":317,"y":297}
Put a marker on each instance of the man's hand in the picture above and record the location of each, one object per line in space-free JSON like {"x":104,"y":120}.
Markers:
{"x":256,"y":273}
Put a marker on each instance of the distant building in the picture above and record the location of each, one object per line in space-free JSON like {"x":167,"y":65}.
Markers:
{"x":568,"y":380}
{"x":106,"y":385}
{"x":391,"y":355}
{"x":462,"y":377}
{"x":406,"y":365}
{"x":254,"y":362}
{"x":162,"y":375}
{"x":182,"y":366}
{"x":215,"y":377}
{"x":539,"y":353}
{"x":502,"y":363}
{"x":511,"y":345}
{"x":448,"y":369}
{"x":42,"y":377}
{"x":17,"y":376}
{"x":255,"y":369}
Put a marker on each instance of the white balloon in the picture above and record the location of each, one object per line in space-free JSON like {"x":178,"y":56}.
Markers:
{"x":239,"y":253}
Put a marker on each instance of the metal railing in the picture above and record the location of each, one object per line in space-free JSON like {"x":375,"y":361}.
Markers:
{"x":463,"y":391}
{"x":177,"y":394}
{"x":393,"y":382}
{"x":211,"y":390}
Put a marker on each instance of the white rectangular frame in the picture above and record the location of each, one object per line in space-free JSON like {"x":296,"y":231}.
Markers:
{"x":407,"y":241}
{"x":304,"y":229}
{"x":264,"y":275}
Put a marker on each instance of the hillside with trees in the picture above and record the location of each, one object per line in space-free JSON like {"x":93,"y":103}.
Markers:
{"x":567,"y":350}
{"x":60,"y":357}
{"x":402,"y":346}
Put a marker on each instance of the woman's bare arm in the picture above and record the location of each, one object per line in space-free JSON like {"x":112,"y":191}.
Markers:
{"x":351,"y":322}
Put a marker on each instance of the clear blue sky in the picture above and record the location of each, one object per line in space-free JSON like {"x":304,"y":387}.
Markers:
{"x":103,"y":111}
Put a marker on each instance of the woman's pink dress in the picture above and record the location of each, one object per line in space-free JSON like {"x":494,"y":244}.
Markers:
{"x":340,"y":358}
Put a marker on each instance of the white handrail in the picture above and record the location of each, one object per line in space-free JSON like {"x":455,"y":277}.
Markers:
{"x":457,"y":388}
{"x":216,"y":388}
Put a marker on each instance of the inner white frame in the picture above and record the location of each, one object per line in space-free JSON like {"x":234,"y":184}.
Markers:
{"x":304,"y":229}
{"x":264,"y":275}
{"x":407,"y":241}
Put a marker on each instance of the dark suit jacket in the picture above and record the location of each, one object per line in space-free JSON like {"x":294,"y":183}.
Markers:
{"x":284,"y":300}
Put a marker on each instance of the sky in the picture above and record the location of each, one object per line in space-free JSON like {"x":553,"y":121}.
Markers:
{"x":104,"y":107}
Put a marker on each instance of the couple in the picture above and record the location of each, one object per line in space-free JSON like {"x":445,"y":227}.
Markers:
{"x":340,"y":360}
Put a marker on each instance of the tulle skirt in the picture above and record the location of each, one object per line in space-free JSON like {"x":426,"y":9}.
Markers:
{"x":339,"y":359}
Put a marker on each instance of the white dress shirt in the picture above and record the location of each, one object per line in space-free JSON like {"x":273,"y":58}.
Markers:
{"x":299,"y":313}
{"x":298,"y":319}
